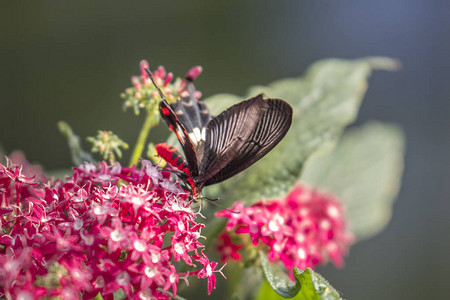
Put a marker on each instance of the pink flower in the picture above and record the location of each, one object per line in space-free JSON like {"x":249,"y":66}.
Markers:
{"x":194,"y":72}
{"x":302,"y":230}
{"x":227,"y":248}
{"x":208,"y":270}
{"x":30,"y":170}
{"x":102,"y":229}
{"x":144,"y":95}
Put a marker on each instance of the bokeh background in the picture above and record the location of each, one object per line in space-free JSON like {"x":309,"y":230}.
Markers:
{"x":71,"y":61}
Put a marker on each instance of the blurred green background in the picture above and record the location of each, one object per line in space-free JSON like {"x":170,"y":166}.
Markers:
{"x":70,"y":61}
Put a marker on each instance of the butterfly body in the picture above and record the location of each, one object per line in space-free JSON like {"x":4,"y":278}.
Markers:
{"x":217,"y":148}
{"x":173,"y":157}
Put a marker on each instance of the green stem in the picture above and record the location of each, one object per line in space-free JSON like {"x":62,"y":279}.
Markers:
{"x":140,"y":144}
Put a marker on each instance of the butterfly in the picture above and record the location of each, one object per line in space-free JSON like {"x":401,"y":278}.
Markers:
{"x":217,"y":148}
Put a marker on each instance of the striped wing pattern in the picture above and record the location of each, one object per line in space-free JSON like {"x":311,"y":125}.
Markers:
{"x":242,"y":135}
{"x":221,"y":147}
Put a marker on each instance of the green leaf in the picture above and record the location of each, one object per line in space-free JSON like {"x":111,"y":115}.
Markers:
{"x":314,"y":286}
{"x":325,"y":101}
{"x":364,"y":171}
{"x":278,"y":279}
{"x":307,"y":285}
{"x":78,"y":154}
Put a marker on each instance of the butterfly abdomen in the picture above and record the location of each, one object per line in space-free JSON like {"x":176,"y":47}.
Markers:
{"x":174,"y":158}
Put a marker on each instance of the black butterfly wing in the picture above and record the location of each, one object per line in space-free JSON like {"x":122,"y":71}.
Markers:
{"x":182,"y":135}
{"x":193,"y":114}
{"x":242,"y":135}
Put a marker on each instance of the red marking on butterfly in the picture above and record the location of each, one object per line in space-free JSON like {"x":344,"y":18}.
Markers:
{"x":165,"y":112}
{"x":174,"y":158}
{"x":217,"y":148}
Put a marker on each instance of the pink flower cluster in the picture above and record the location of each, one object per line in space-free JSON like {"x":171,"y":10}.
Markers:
{"x":143,"y":93}
{"x":302,"y":230}
{"x":102,"y":229}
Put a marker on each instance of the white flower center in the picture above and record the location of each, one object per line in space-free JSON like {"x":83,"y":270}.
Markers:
{"x":116,"y":236}
{"x":140,"y":246}
{"x":333,"y":212}
{"x":181,"y":226}
{"x":301,"y":253}
{"x":99,"y":210}
{"x":277,"y":247}
{"x":155,"y":257}
{"x":274,"y":224}
{"x":178,"y":248}
{"x":176,"y":207}
{"x":150,"y":272}
{"x":137,"y":201}
{"x":300,"y":237}
{"x":208,"y":270}
{"x":325,"y":224}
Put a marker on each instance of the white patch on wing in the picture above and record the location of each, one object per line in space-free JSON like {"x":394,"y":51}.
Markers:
{"x":180,"y":134}
{"x":203,"y":134}
{"x":193,"y":139}
{"x":197,"y":136}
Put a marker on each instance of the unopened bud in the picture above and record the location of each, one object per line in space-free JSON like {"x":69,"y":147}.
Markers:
{"x":168,"y":79}
{"x":160,"y":72}
{"x":144,"y":65}
{"x":136,"y":82}
{"x":194,"y":72}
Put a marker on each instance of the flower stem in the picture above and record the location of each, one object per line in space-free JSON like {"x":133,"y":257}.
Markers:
{"x":140,"y":144}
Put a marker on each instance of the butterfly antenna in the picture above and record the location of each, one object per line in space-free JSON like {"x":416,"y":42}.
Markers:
{"x":150,"y":74}
{"x":212,"y":201}
{"x":209,"y":199}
